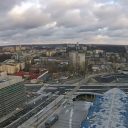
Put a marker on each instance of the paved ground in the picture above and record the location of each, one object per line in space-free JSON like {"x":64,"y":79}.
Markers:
{"x":72,"y":115}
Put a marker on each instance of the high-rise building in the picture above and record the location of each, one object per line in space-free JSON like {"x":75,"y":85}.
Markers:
{"x":12,"y":94}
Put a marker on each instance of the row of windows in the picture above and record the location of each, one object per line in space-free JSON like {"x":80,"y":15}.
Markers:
{"x":10,"y":107}
{"x":14,"y":94}
{"x":12,"y":102}
{"x":13,"y":99}
{"x":11,"y":89}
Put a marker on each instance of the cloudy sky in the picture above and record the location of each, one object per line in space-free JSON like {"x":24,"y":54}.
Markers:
{"x":57,"y":21}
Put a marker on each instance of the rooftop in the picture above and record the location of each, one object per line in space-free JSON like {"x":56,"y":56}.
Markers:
{"x":6,"y":81}
{"x":108,"y":111}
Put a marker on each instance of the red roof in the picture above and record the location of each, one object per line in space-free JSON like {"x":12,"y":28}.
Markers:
{"x":29,"y":74}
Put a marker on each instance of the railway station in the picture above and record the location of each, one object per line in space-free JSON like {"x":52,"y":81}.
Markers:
{"x":108,"y":111}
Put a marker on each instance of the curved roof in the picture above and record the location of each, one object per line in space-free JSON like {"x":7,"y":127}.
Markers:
{"x":108,"y":111}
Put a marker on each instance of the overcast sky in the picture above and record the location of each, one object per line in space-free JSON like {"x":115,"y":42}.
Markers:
{"x":48,"y":21}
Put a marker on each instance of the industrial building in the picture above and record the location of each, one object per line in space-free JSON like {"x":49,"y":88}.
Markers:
{"x":12,"y":94}
{"x":108,"y":111}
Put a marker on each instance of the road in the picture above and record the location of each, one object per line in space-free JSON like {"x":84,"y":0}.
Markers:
{"x":61,"y":89}
{"x":72,"y":115}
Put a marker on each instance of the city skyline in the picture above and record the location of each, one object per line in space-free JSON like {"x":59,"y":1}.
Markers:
{"x":69,"y":21}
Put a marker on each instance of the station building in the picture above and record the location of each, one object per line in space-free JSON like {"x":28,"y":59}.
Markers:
{"x":108,"y":111}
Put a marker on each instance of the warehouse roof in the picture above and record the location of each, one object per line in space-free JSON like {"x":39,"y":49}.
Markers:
{"x":108,"y":111}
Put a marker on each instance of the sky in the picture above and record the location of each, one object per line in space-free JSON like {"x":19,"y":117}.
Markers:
{"x":63,"y":21}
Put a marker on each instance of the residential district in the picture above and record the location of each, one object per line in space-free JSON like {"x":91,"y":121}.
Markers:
{"x":64,"y":86}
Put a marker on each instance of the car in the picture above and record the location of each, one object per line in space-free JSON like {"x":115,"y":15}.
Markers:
{"x":52,"y":120}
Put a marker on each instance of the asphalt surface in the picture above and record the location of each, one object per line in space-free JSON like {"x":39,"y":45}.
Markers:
{"x":72,"y":115}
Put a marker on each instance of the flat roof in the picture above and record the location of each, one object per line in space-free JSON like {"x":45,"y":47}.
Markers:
{"x":9,"y":80}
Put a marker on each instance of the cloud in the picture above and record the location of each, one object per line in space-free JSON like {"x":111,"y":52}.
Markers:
{"x":89,"y":21}
{"x":28,"y":15}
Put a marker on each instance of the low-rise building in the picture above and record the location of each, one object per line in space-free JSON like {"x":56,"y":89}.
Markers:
{"x":11,"y":67}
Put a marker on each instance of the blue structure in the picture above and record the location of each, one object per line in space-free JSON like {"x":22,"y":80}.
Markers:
{"x":108,"y":111}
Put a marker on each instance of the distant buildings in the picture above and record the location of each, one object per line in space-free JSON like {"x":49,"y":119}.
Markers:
{"x":12,"y":94}
{"x":92,"y":59}
{"x":50,"y":52}
{"x":11,"y":66}
{"x":8,"y":49}
{"x":77,"y":59}
{"x":69,"y":57}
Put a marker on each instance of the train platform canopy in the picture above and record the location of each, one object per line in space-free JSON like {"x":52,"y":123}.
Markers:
{"x":108,"y":111}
